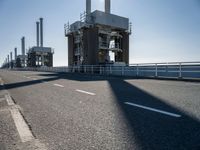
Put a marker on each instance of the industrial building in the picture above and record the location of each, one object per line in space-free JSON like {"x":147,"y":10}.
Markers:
{"x":39,"y":55}
{"x":21,"y":60}
{"x":98,"y":38}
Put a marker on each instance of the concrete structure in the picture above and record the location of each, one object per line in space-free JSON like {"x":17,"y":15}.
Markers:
{"x":98,"y":38}
{"x":39,"y":55}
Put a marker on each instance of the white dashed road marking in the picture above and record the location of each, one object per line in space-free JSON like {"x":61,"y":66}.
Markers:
{"x":58,"y":85}
{"x":85,"y":92}
{"x":153,"y":109}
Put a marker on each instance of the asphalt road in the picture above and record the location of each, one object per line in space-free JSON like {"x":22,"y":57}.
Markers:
{"x":73,"y":111}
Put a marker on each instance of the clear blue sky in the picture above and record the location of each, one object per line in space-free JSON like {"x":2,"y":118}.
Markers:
{"x":163,"y":30}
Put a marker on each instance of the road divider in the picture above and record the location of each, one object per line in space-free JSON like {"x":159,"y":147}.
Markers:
{"x":154,"y":110}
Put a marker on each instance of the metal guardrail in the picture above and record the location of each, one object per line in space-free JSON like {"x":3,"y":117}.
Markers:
{"x":170,"y":70}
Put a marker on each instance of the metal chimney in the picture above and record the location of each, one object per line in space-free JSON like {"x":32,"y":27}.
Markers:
{"x":11,"y":57}
{"x":107,"y":6}
{"x":23,"y":45}
{"x":37,"y":33}
{"x":41,"y":32}
{"x":88,"y":6}
{"x":15,"y":53}
{"x":8,"y":59}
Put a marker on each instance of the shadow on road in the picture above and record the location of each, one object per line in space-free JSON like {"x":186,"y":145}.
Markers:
{"x":152,"y":130}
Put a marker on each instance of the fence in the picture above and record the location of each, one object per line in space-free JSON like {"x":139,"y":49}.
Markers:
{"x":169,"y":70}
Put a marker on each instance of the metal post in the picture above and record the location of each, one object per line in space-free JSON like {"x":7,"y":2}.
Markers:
{"x":122,"y":70}
{"x":79,"y":69}
{"x":85,"y":69}
{"x":137,"y":69}
{"x":180,"y":70}
{"x":100,"y":70}
{"x":92,"y":70}
{"x":156,"y":73}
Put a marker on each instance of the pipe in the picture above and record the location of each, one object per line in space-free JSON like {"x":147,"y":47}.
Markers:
{"x":15,"y":53}
{"x":88,"y":6}
{"x":41,"y":32}
{"x":107,"y":6}
{"x":37,"y":33}
{"x":23,"y":45}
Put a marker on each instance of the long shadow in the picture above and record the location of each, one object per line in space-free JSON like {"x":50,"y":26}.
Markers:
{"x":152,"y":130}
{"x":28,"y":83}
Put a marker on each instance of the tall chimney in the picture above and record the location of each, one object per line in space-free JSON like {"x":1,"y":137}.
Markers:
{"x":107,"y":6}
{"x":37,"y":33}
{"x":88,"y":6}
{"x":8,"y":60}
{"x":23,"y":45}
{"x":41,"y":32}
{"x":11,"y":57}
{"x":15,"y":53}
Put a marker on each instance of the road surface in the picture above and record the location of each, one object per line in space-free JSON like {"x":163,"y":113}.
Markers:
{"x":74,"y":111}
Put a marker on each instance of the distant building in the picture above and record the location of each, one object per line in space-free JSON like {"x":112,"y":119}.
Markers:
{"x":39,"y":55}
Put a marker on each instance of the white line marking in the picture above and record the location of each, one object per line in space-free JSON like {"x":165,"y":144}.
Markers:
{"x":22,"y":127}
{"x":58,"y":85}
{"x":153,"y":109}
{"x":9,"y":100}
{"x":81,"y":91}
{"x":33,"y":78}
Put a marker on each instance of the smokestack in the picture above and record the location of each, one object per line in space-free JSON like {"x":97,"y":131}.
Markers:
{"x":107,"y":6}
{"x":8,"y":59}
{"x":88,"y":6}
{"x":41,"y":32}
{"x":10,"y":56}
{"x":23,"y":45}
{"x":37,"y":33}
{"x":15,"y":53}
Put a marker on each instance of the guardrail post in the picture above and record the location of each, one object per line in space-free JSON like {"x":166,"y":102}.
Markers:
{"x":137,"y":70}
{"x":110,"y":69}
{"x":78,"y":69}
{"x":180,"y":70}
{"x":100,"y":70}
{"x":156,"y":73}
{"x":85,"y":69}
{"x":92,"y":69}
{"x":122,"y":70}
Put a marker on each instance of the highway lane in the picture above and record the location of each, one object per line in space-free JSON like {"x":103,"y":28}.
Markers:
{"x":65,"y":118}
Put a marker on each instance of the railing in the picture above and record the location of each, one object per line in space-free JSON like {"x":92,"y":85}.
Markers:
{"x":181,"y":70}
